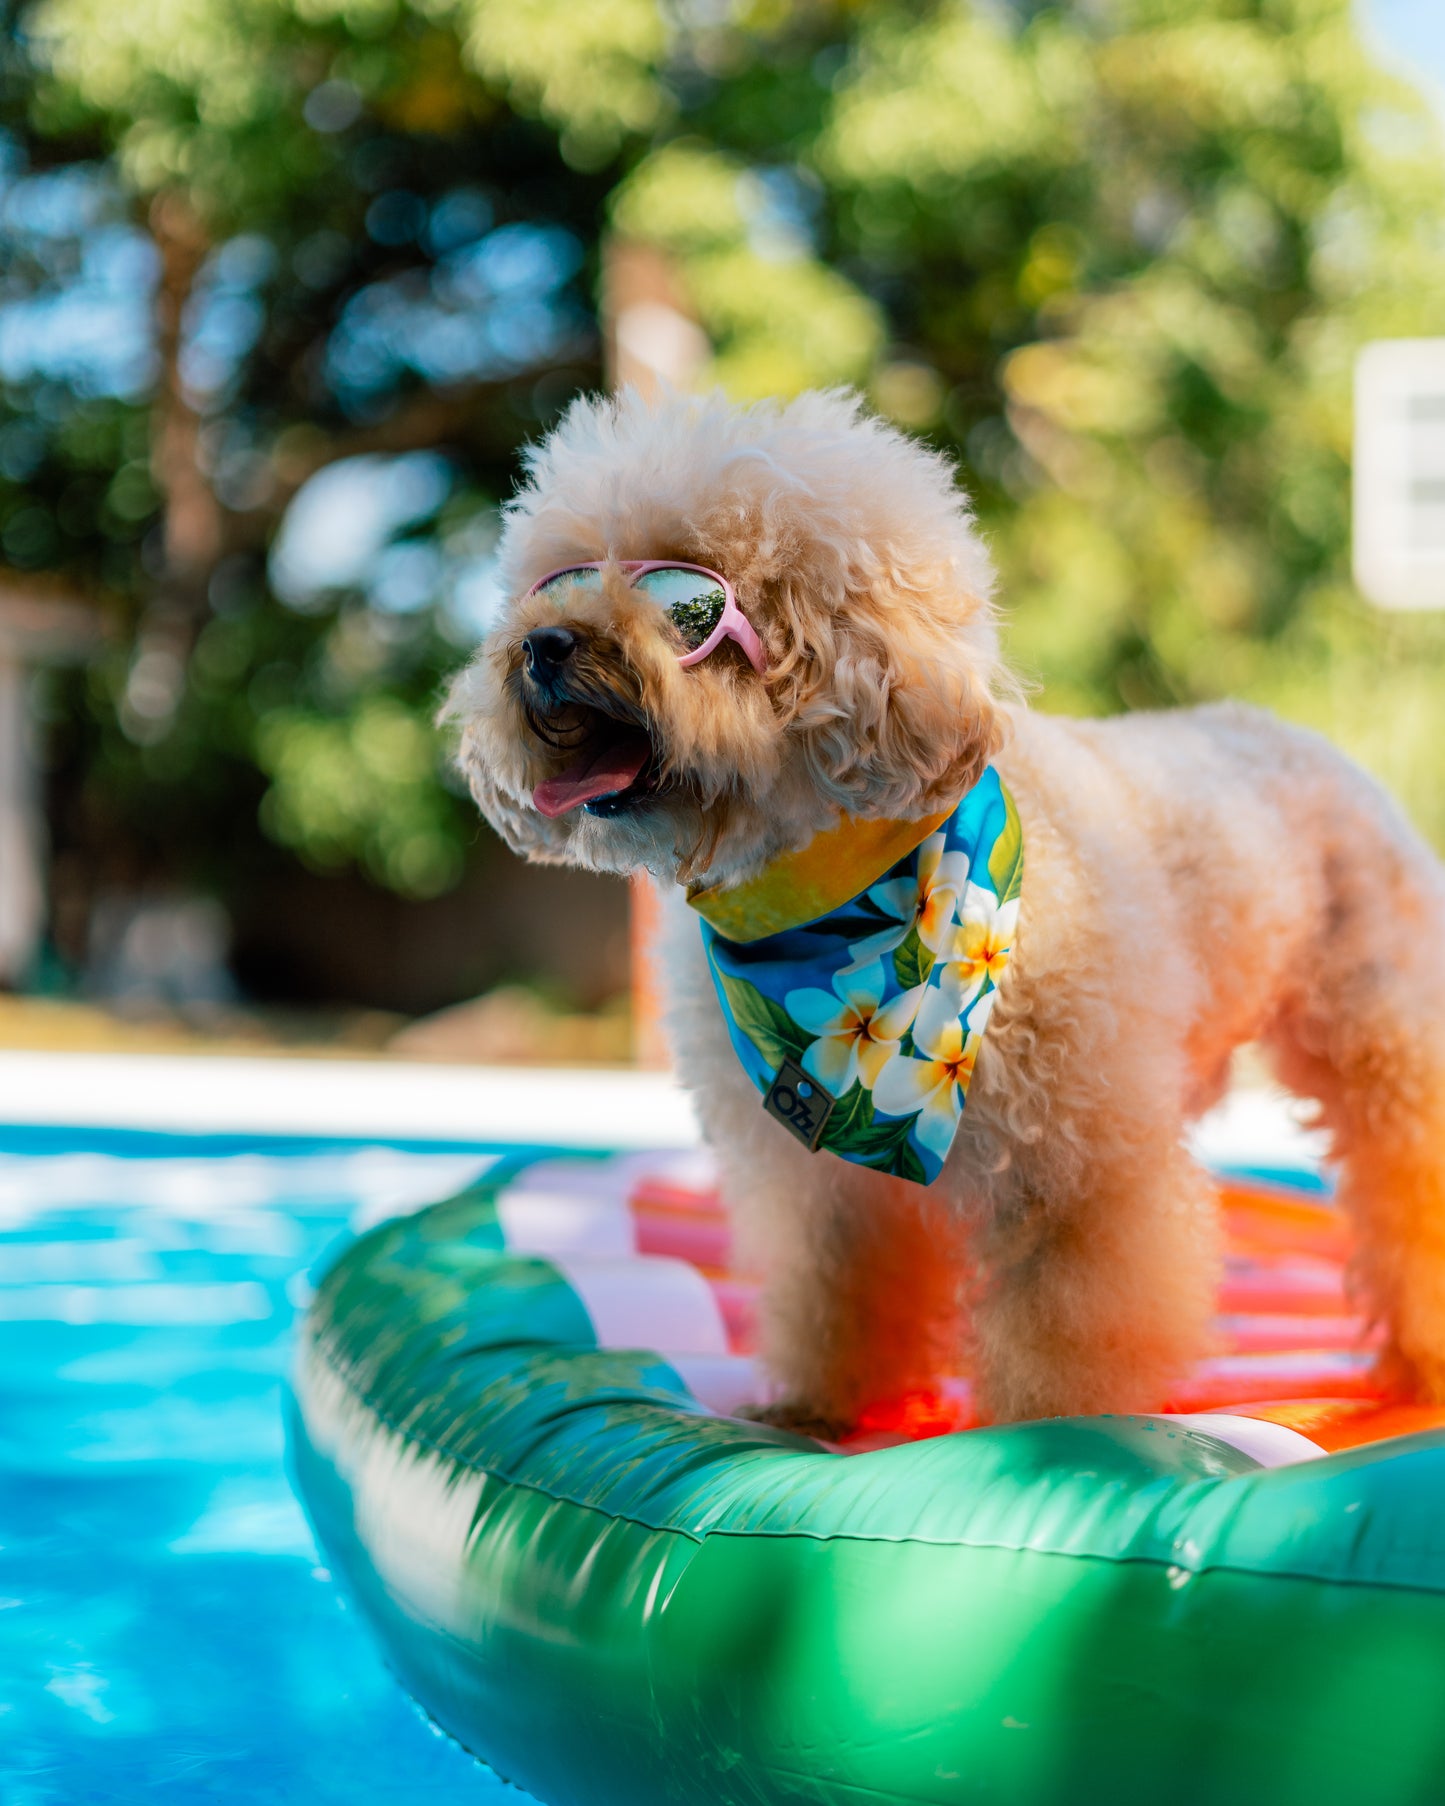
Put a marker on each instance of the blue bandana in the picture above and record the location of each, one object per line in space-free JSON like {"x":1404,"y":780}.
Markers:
{"x":857,"y":977}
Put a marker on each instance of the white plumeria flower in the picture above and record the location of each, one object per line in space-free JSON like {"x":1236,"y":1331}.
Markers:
{"x":934,"y":1083}
{"x":927,"y":899}
{"x":981,"y":942}
{"x":857,"y":1032}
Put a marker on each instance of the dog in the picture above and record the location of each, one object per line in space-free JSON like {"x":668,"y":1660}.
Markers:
{"x":1192,"y":881}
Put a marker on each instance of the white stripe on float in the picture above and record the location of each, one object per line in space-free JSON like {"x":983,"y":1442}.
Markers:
{"x":554,"y":1223}
{"x":647,"y":1302}
{"x":413,"y":1508}
{"x":1270,"y":1444}
{"x":611,"y":1178}
{"x":723,"y":1383}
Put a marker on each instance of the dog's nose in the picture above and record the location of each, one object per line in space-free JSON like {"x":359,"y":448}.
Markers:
{"x":547,"y":650}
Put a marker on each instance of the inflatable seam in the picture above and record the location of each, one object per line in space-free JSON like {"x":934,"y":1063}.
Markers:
{"x":1169,"y":1564}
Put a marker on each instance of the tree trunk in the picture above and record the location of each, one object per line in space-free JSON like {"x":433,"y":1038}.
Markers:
{"x":194,"y":527}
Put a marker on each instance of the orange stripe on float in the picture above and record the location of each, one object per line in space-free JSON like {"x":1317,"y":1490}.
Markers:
{"x":1257,"y":1218}
{"x":1348,"y":1423}
{"x":674,"y":1194}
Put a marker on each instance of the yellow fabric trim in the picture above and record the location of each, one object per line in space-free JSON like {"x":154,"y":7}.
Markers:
{"x":799,"y":887}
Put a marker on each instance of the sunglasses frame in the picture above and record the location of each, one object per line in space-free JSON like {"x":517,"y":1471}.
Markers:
{"x":734,"y":624}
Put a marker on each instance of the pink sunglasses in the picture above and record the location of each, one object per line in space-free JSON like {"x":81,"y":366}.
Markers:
{"x":700,"y":603}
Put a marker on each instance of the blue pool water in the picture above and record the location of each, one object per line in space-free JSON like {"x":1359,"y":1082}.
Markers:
{"x":166,"y":1630}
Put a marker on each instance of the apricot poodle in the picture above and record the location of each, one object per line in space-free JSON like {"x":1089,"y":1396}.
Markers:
{"x":774,"y":633}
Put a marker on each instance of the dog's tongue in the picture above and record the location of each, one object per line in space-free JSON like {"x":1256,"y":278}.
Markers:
{"x":602,"y":771}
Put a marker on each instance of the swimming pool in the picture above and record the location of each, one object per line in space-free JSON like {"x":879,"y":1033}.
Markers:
{"x":166,"y":1631}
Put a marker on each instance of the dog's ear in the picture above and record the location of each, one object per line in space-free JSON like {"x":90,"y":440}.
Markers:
{"x":891,"y":695}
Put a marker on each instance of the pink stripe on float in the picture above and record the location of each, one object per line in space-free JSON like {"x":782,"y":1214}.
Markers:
{"x":1245,"y":1378}
{"x":737,"y":1300}
{"x":1268,"y":1333}
{"x":1280,"y":1284}
{"x":705,"y":1240}
{"x":1284,"y":1328}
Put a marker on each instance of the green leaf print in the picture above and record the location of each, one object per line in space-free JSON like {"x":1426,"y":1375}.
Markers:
{"x":912,"y":962}
{"x":854,"y":1132}
{"x":851,"y":1121}
{"x":909,"y":1166}
{"x":1006,"y":861}
{"x":766,"y":1024}
{"x":893,"y":1151}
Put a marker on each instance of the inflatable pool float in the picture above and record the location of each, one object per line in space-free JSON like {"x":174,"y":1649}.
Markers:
{"x":510,"y":1426}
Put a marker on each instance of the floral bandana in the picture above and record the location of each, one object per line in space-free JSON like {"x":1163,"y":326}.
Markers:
{"x":857,"y":976}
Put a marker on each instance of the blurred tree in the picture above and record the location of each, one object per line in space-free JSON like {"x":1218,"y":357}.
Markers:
{"x":310,"y":280}
{"x":287,"y":282}
{"x":1133,"y":250}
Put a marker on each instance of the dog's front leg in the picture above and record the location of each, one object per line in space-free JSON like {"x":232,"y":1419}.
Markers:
{"x":860,"y":1298}
{"x":860,"y":1272}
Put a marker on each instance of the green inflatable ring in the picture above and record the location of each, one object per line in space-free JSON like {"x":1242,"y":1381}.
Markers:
{"x":618,"y":1598}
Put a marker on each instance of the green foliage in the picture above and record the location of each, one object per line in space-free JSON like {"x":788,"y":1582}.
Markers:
{"x":1117,"y":260}
{"x":1141,"y":248}
{"x":592,"y":71}
{"x":287,"y":181}
{"x":696,"y":618}
{"x":780,"y":320}
{"x":361,"y":788}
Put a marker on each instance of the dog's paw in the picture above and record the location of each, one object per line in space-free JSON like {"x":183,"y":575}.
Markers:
{"x":801,"y":1418}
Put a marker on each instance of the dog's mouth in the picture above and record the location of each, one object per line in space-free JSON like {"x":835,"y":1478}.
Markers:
{"x":615,"y":766}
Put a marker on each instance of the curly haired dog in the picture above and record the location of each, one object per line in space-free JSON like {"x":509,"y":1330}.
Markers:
{"x":1194,"y":881}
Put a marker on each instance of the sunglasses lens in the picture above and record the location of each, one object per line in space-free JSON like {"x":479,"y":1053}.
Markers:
{"x":694,"y":601}
{"x":578,"y":577}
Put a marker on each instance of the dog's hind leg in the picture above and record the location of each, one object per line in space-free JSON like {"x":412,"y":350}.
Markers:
{"x":1099,"y":1300}
{"x":1365,"y":1035}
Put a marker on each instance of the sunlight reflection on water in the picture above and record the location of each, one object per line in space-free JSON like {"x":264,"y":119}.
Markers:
{"x":165,"y":1628}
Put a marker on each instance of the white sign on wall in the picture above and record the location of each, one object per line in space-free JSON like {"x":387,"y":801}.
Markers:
{"x":1400,"y":473}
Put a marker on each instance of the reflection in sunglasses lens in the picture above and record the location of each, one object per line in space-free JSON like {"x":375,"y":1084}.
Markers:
{"x":694,"y":601}
{"x":578,"y":577}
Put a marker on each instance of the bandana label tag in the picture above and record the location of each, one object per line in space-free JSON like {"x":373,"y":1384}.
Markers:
{"x":799,"y":1103}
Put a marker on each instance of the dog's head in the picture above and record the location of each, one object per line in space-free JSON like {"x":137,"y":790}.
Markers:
{"x":851,"y":553}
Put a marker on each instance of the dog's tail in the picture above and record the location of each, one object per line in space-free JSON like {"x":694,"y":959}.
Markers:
{"x":1365,"y":1034}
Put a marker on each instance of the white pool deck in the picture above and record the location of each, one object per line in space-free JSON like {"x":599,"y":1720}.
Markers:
{"x":389,"y":1101}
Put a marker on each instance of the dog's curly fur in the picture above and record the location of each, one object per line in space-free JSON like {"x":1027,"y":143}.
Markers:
{"x":1193,"y":881}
